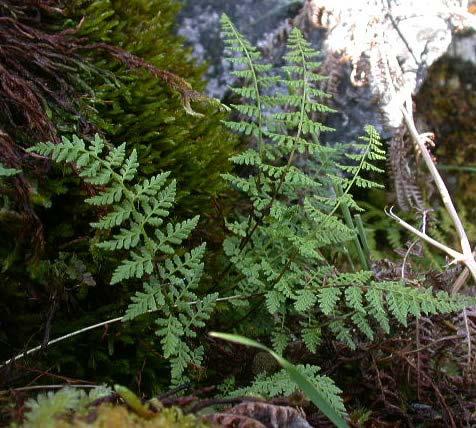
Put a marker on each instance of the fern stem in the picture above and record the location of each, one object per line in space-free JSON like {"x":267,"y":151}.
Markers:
{"x":347,"y":214}
{"x":350,"y":224}
{"x":363,"y":236}
{"x":354,"y":178}
{"x":349,"y":258}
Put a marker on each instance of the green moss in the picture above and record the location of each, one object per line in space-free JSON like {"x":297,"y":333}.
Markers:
{"x":76,"y":408}
{"x":125,"y":105}
{"x":140,"y":109}
{"x":107,"y":416}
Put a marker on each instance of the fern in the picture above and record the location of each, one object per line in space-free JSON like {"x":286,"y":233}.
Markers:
{"x":7,"y":172}
{"x":297,"y":222}
{"x":362,"y":161}
{"x":136,"y":224}
{"x":279,"y":384}
{"x":370,"y":303}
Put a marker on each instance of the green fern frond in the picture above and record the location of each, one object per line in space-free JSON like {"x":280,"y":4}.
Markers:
{"x":366,"y":298}
{"x":311,"y":336}
{"x":298,"y":221}
{"x":138,"y":209}
{"x":254,"y":74}
{"x":279,"y":384}
{"x":328,"y":298}
{"x":149,"y":300}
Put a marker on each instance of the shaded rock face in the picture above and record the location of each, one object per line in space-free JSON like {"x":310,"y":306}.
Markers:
{"x":391,"y":44}
{"x":258,"y":20}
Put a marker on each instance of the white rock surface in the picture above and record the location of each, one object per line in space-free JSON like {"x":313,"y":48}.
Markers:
{"x":390,"y":40}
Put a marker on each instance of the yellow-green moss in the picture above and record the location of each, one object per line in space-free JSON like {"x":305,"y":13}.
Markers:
{"x":108,"y":416}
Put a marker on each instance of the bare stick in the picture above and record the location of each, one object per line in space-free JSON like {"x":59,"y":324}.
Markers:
{"x":460,"y":281}
{"x":410,"y":248}
{"x":42,"y":387}
{"x":452,"y":253}
{"x":421,"y":140}
{"x":462,"y":278}
{"x":468,"y":336}
{"x":60,"y":339}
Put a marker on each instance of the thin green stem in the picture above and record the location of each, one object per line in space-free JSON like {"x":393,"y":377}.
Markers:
{"x":350,"y":224}
{"x":363,"y":236}
{"x":354,"y":178}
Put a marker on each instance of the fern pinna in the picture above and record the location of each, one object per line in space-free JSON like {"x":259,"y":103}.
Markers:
{"x":136,"y":219}
{"x":297,"y":220}
{"x":7,"y":172}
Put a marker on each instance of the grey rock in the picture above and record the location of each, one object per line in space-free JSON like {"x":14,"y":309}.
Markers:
{"x":199,"y":23}
{"x":356,"y":38}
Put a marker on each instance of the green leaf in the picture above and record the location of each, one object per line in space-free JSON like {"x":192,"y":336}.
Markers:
{"x":134,"y":402}
{"x":328,"y":298}
{"x":8,"y":172}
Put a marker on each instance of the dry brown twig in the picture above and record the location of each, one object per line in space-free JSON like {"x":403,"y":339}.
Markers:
{"x":421,"y":141}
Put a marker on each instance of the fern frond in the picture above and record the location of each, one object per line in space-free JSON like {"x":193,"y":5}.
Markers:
{"x":253,"y":73}
{"x":366,"y":298}
{"x":137,"y":266}
{"x":328,"y":298}
{"x":149,"y":300}
{"x":279,"y":384}
{"x":138,"y":208}
{"x":311,"y":336}
{"x":285,"y":246}
{"x":137,"y":222}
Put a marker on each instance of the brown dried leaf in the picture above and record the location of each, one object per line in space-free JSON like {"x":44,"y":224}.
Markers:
{"x":271,"y":415}
{"x":233,"y":421}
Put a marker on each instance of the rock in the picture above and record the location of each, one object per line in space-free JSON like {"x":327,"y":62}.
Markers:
{"x":387,"y":48}
{"x":377,"y":54}
{"x":384,"y":41}
{"x":411,"y":34}
{"x":199,"y":23}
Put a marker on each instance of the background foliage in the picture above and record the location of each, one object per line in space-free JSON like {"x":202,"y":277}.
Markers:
{"x":49,"y":281}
